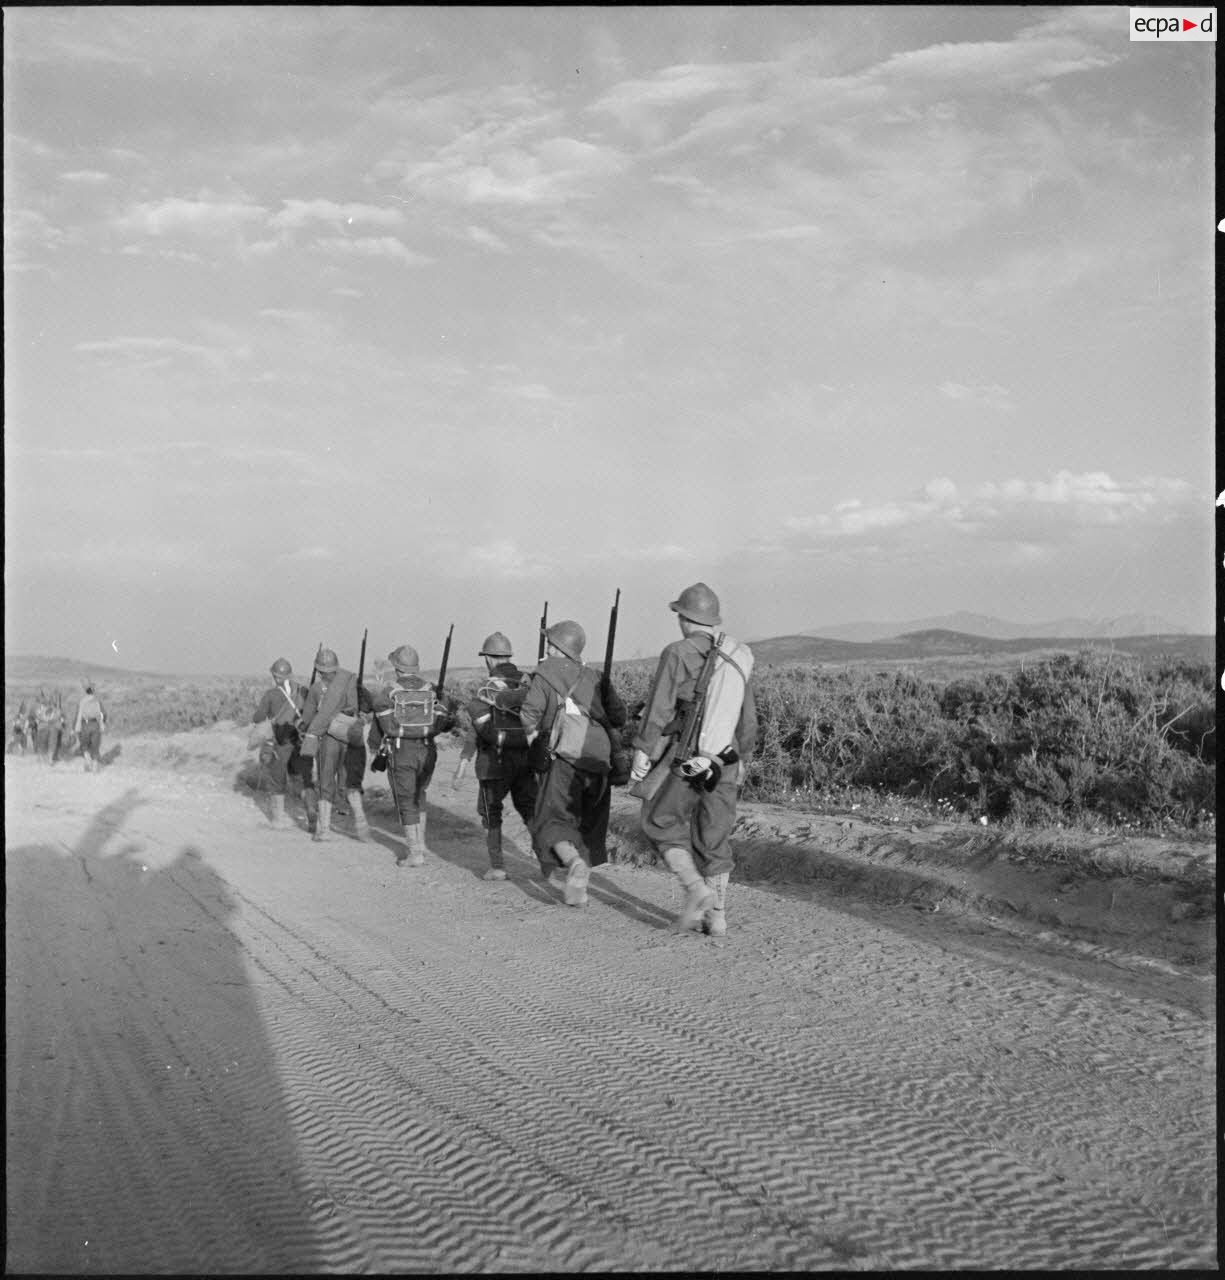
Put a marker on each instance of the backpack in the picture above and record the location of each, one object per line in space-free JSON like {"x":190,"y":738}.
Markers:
{"x":503,"y":729}
{"x":724,"y":696}
{"x":576,"y":737}
{"x":412,"y":712}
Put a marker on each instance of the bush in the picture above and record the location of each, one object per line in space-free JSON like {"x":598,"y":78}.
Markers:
{"x":1087,"y":735}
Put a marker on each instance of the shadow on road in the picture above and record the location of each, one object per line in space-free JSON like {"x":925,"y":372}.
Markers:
{"x":147,"y":1127}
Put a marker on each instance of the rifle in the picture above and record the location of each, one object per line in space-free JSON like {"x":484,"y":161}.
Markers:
{"x":314,"y":669}
{"x":619,"y":759}
{"x":544,"y":623}
{"x":608,"y":648}
{"x":691,"y":726}
{"x":442,"y":670}
{"x":361,"y":667}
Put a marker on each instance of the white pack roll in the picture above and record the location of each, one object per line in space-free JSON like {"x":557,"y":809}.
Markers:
{"x":724,"y":696}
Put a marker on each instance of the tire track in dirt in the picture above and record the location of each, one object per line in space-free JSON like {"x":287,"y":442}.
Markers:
{"x":457,"y":1076}
{"x":909,"y":1152}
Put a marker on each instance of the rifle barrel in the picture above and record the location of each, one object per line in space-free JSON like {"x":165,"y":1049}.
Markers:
{"x":544,"y":623}
{"x":446,"y":654}
{"x":612,"y":636}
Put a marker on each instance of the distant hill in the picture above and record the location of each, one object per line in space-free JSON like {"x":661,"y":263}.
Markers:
{"x":978,"y":624}
{"x":937,"y":642}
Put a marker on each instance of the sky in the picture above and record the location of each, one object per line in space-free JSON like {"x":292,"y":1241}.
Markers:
{"x":327,"y":319}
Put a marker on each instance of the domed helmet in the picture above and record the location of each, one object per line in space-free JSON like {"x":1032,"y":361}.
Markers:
{"x":567,"y":636}
{"x":326,"y":662}
{"x":698,"y":603}
{"x":281,"y":669}
{"x":404,"y":659}
{"x":496,"y":646}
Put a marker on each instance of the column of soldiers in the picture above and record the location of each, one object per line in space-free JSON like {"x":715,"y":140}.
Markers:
{"x":549,"y":742}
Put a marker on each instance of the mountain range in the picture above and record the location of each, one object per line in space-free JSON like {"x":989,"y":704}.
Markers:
{"x":979,"y":624}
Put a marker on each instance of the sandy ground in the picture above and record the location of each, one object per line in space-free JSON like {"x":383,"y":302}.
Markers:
{"x":231,"y":1049}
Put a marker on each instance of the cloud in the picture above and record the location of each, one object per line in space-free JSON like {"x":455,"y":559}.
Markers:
{"x":300,"y":213}
{"x":151,"y":352}
{"x":374,"y":247}
{"x":86,"y":177}
{"x":502,"y":558}
{"x":487,"y":240}
{"x":308,"y":555}
{"x":990,"y":397}
{"x":204,"y":217}
{"x":1014,"y":510}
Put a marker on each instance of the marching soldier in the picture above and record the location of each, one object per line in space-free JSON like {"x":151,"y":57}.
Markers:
{"x":407,"y":718}
{"x":328,"y":716}
{"x":689,"y":801}
{"x":564,"y":708}
{"x":505,"y":764}
{"x":282,"y":705}
{"x":90,"y":722}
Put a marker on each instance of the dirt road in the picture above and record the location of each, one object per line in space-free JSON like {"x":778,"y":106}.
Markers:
{"x":232,"y":1049}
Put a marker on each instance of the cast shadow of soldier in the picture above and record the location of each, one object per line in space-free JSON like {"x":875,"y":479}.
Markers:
{"x":144,"y":1101}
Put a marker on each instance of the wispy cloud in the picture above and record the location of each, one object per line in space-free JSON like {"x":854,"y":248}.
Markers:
{"x":992,"y":396}
{"x":1031,"y":511}
{"x":201,"y":216}
{"x":503,"y":558}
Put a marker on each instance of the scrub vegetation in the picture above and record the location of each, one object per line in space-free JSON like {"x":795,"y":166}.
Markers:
{"x":1078,"y":738}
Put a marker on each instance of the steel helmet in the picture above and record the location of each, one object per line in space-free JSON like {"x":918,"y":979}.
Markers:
{"x":496,"y":646}
{"x":698,"y":603}
{"x":281,"y":669}
{"x":326,"y":662}
{"x":404,"y":658}
{"x":567,"y":636}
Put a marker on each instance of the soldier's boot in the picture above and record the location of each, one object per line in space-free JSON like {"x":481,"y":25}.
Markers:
{"x":714,"y":922}
{"x":361,"y":828}
{"x":425,"y":848}
{"x":497,"y":866}
{"x":415,"y":843}
{"x":323,"y":822}
{"x":699,"y":896}
{"x":310,"y":802}
{"x":277,"y":814}
{"x":577,"y":873}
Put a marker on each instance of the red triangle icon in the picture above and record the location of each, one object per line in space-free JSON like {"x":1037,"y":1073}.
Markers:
{"x":1188,"y":25}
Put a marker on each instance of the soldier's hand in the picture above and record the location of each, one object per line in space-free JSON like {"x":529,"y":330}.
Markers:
{"x":640,"y":767}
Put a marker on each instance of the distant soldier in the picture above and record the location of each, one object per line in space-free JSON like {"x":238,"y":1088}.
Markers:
{"x":697,"y":760}
{"x":564,"y":708}
{"x":282,"y":706}
{"x":505,"y":764}
{"x":328,"y":716}
{"x":89,"y":724}
{"x":408,"y":716}
{"x":22,"y":738}
{"x":50,"y":728}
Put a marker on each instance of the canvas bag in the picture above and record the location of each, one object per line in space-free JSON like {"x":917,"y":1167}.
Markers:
{"x":724,"y":696}
{"x":575,"y":737}
{"x":412,"y":712}
{"x":504,"y":729}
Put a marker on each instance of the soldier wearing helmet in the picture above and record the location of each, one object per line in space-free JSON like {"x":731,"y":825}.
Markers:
{"x":689,"y":817}
{"x":329,"y":720}
{"x":408,"y":716}
{"x":571,"y":822}
{"x":505,"y":764}
{"x":88,"y":727}
{"x":281,"y":759}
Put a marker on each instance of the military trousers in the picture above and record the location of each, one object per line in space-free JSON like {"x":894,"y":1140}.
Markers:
{"x":572,"y":806}
{"x":91,"y":740}
{"x":410,"y":767}
{"x":682,"y":816}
